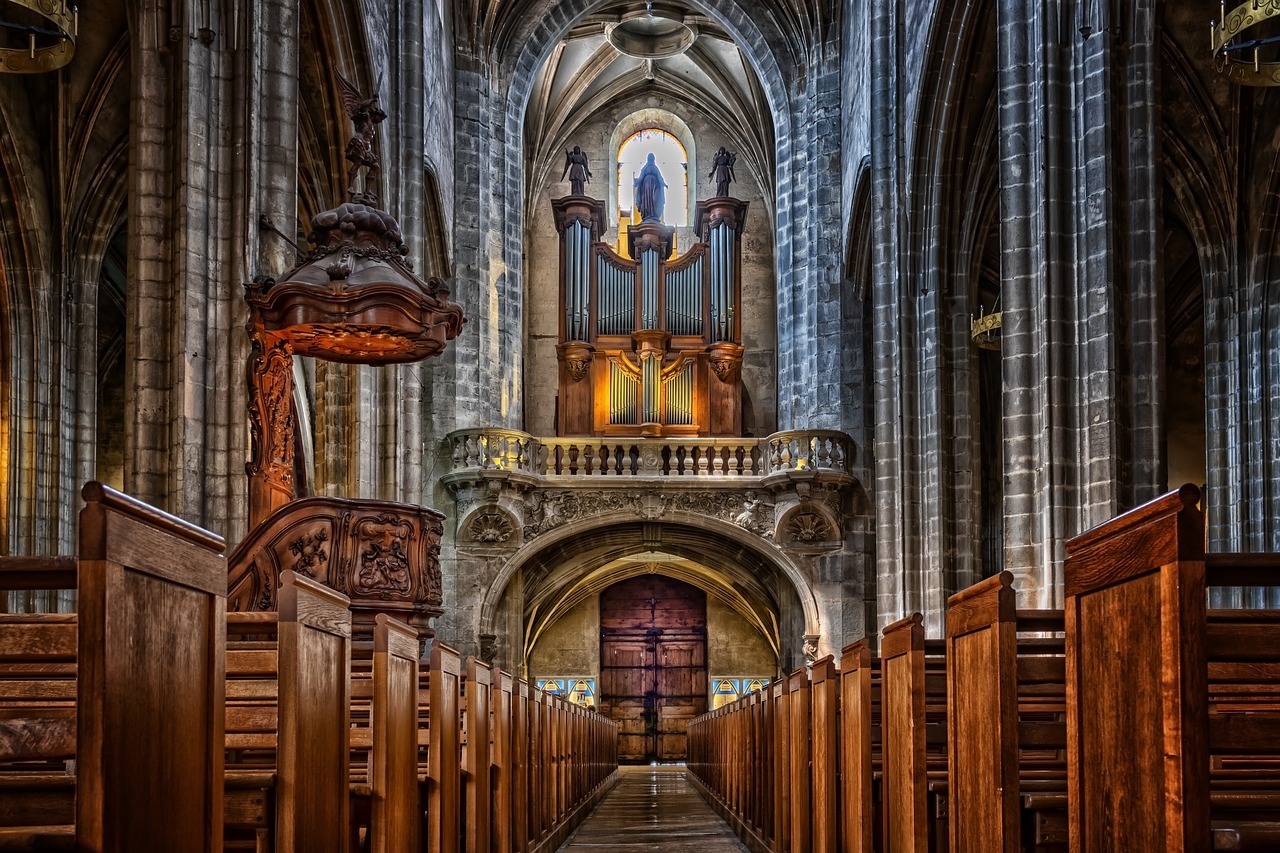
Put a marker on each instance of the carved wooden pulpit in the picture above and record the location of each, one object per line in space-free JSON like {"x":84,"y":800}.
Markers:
{"x":356,"y":299}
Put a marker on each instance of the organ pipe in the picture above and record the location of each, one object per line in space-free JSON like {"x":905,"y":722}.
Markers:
{"x":617,"y":297}
{"x":684,"y":299}
{"x":649,"y":288}
{"x":622,"y":396}
{"x":651,"y":374}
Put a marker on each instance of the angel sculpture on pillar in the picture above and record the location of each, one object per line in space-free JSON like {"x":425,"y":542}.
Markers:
{"x":575,"y":166}
{"x":722,"y":171}
{"x":366,"y":113}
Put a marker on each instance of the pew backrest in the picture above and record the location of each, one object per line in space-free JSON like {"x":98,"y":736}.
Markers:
{"x":444,"y":753}
{"x":856,"y":769}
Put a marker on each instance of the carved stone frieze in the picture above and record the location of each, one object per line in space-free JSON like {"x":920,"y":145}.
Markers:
{"x":548,"y":509}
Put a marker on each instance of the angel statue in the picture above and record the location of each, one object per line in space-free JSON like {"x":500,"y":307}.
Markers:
{"x":722,"y":171}
{"x":366,"y":114}
{"x":575,"y":166}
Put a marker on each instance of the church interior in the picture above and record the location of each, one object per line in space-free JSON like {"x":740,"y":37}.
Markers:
{"x":873,"y":407}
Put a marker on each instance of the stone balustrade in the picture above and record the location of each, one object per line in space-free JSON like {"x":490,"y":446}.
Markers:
{"x":820,"y":451}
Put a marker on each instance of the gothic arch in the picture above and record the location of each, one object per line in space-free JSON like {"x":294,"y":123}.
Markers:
{"x":768,"y":579}
{"x":29,"y":320}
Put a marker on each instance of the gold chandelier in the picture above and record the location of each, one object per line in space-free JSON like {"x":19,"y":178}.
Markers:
{"x":1240,"y":60}
{"x":50,"y":43}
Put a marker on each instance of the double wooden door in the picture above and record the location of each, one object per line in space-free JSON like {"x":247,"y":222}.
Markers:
{"x":653,"y":662}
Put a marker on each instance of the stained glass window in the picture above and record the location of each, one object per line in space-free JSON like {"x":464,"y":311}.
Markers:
{"x":580,"y":690}
{"x":731,"y":688}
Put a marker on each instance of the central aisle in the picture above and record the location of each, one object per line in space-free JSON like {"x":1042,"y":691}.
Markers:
{"x":654,"y":808}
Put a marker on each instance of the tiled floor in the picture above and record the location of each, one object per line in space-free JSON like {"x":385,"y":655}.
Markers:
{"x":654,"y":808}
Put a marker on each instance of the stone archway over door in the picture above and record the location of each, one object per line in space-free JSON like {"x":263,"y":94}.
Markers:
{"x":653,"y":664}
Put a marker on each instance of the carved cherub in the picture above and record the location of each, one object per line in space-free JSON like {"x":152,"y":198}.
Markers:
{"x":366,"y":113}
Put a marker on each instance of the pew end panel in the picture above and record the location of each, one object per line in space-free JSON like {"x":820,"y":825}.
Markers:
{"x":1135,"y":663}
{"x":905,"y":795}
{"x":982,"y":718}
{"x":445,"y":750}
{"x":313,"y":802}
{"x":152,"y":599}
{"x":395,"y":737}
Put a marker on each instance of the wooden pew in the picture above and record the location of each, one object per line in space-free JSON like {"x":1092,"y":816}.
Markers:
{"x":858,"y":714}
{"x":444,"y":782}
{"x":905,"y":790}
{"x":1140,"y":638}
{"x":289,"y":724}
{"x":149,"y":667}
{"x":396,"y":807}
{"x":1005,"y":695}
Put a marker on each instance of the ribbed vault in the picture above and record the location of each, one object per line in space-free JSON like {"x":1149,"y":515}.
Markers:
{"x":586,"y":74}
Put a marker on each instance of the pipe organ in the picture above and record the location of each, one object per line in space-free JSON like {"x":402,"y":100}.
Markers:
{"x":649,"y":345}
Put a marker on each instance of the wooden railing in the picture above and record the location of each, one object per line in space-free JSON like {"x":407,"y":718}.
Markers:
{"x":783,"y":452}
{"x":156,"y":720}
{"x":1136,"y":719}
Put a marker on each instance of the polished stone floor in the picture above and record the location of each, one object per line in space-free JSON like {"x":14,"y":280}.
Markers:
{"x":654,"y":808}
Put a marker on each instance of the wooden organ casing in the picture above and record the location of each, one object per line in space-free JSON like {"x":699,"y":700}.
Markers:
{"x":650,"y":345}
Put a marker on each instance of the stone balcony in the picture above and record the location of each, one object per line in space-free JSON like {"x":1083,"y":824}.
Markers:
{"x":789,"y":487}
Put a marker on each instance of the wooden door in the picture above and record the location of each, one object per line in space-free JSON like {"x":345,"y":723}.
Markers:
{"x":653,"y":662}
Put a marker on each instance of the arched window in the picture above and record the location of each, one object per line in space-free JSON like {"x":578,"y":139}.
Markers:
{"x":672,"y":161}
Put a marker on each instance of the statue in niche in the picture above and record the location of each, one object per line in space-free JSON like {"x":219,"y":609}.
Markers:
{"x":575,"y":166}
{"x":651,"y":192}
{"x":722,"y":171}
{"x":366,"y":114}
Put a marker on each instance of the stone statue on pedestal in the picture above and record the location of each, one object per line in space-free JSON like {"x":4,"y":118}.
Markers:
{"x":722,"y":171}
{"x":575,"y":166}
{"x":651,"y":192}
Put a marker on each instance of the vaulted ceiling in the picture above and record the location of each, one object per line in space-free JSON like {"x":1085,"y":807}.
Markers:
{"x":586,"y":74}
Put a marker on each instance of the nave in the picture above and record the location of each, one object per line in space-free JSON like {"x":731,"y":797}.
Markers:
{"x":653,"y":808}
{"x":1135,"y":718}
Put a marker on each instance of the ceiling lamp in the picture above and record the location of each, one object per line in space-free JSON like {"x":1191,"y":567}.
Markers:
{"x":649,"y":36}
{"x":1239,"y":60}
{"x":49,"y":28}
{"x":985,"y":329}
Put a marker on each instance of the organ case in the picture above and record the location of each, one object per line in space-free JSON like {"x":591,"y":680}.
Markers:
{"x":650,"y":345}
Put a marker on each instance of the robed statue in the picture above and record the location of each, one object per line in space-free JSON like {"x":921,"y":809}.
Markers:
{"x":651,"y":192}
{"x":722,"y":171}
{"x":575,"y":166}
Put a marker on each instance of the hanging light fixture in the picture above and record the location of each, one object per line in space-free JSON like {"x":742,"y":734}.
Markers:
{"x":49,"y":28}
{"x":1240,"y":59}
{"x":985,"y":328}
